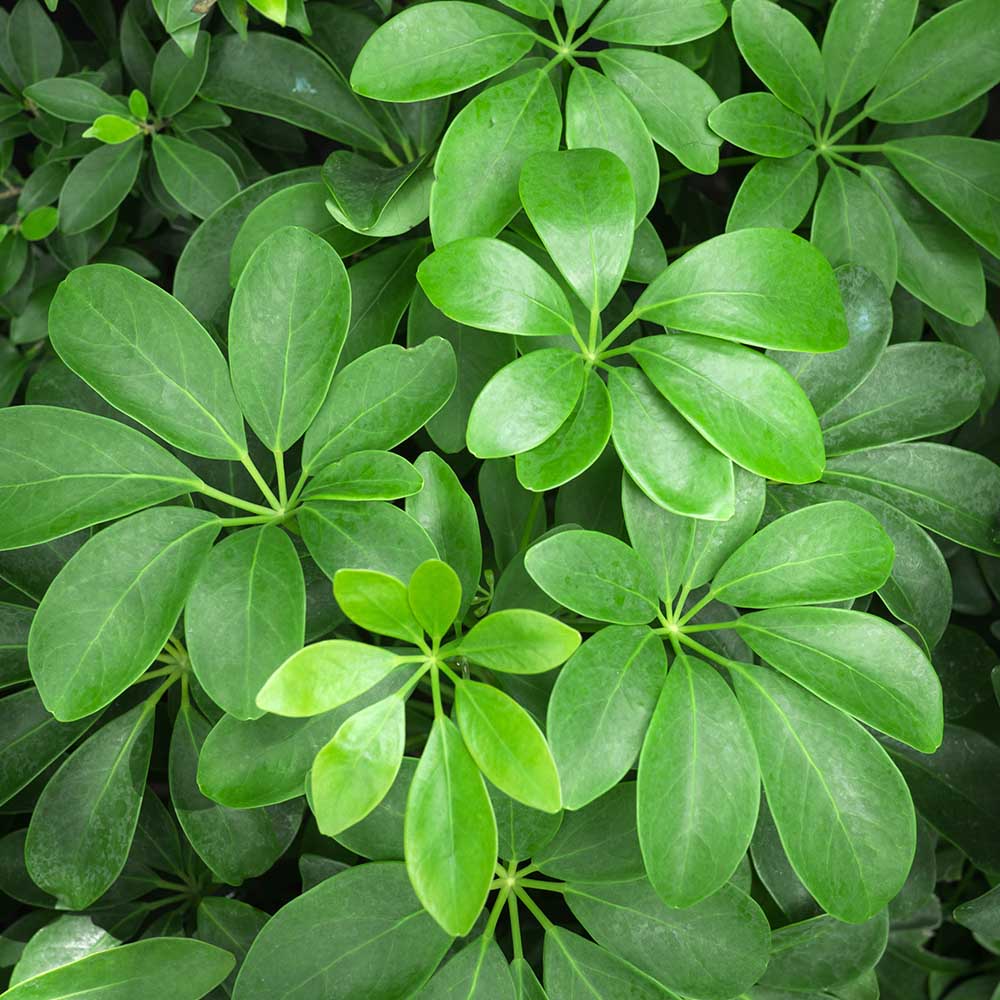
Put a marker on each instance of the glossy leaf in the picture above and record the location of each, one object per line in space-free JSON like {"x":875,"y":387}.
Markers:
{"x":196,"y":178}
{"x":761,"y":123}
{"x":365,"y":475}
{"x":518,"y":641}
{"x":776,"y":193}
{"x":97,"y":185}
{"x":656,"y":22}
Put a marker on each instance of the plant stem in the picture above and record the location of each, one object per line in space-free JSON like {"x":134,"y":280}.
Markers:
{"x":279,"y":468}
{"x":436,"y":691}
{"x":723,"y":661}
{"x":536,"y":502}
{"x":616,"y":333}
{"x":547,"y":886}
{"x":726,"y":161}
{"x":239,"y":522}
{"x":534,"y":910}
{"x":498,"y":905}
{"x":515,"y":926}
{"x":874,"y":148}
{"x":228,"y":498}
{"x":695,"y":608}
{"x":251,"y":467}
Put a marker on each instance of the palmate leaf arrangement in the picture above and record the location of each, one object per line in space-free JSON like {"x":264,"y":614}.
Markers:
{"x":680,"y":709}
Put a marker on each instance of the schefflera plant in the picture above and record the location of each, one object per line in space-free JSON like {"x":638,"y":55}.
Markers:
{"x":797,"y":721}
{"x":701,"y":399}
{"x":450,"y":838}
{"x":112,"y":611}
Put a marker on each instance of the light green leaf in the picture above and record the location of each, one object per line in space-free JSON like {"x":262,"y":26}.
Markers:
{"x":746,"y":405}
{"x":245,"y":616}
{"x":656,"y":22}
{"x":113,"y":605}
{"x":149,"y":357}
{"x":776,"y":193}
{"x":517,"y":641}
{"x":435,"y":596}
{"x":437,"y":49}
{"x":842,"y":809}
{"x":699,"y":785}
{"x":196,"y":178}
{"x":450,"y":834}
{"x":763,"y":287}
{"x":377,"y":602}
{"x":761,"y":123}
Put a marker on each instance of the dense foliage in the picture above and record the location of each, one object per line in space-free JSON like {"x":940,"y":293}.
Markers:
{"x":462,"y":537}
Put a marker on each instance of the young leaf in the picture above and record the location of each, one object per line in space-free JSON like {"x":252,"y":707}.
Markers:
{"x":507,"y":745}
{"x":582,"y":205}
{"x":536,"y":394}
{"x":325,"y":675}
{"x":83,"y":823}
{"x":517,"y":641}
{"x":356,"y":769}
{"x":287,"y":325}
{"x":858,"y":662}
{"x":245,"y":616}
{"x":112,"y":607}
{"x":378,"y":603}
{"x":760,"y":286}
{"x":437,"y":49}
{"x":822,"y":553}
{"x":450,"y":832}
{"x":761,"y":123}
{"x":699,"y":785}
{"x":841,"y":807}
{"x":435,"y":596}
{"x":62,"y":470}
{"x":149,"y":357}
{"x":746,"y":405}
{"x":596,"y":576}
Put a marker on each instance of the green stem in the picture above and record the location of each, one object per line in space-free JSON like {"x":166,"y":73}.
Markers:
{"x":279,"y":468}
{"x":498,"y":905}
{"x":436,"y":691}
{"x":228,"y":498}
{"x":616,"y":333}
{"x":240,"y":522}
{"x":874,"y":148}
{"x":726,"y":161}
{"x":251,"y":467}
{"x":595,"y":319}
{"x":554,"y":25}
{"x":547,"y":886}
{"x":387,"y":152}
{"x":152,"y":701}
{"x":695,"y":608}
{"x":515,"y":926}
{"x":856,"y":120}
{"x":549,"y":43}
{"x":159,"y":672}
{"x":831,"y":157}
{"x":452,"y":676}
{"x":723,"y":661}
{"x":536,"y":503}
{"x":533,"y":909}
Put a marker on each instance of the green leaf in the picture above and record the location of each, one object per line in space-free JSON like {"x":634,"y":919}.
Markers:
{"x":97,"y":185}
{"x":507,"y":746}
{"x":575,"y":446}
{"x":859,"y":41}
{"x":450,"y":833}
{"x":356,"y":769}
{"x":435,"y":596}
{"x":481,"y":155}
{"x":67,"y":939}
{"x":379,"y":835}
{"x":85,"y":818}
{"x":138,"y":105}
{"x":776,"y":193}
{"x":715,"y":949}
{"x":236,"y":844}
{"x":536,"y":394}
{"x":916,"y":390}
{"x":62,"y":470}
{"x":937,"y":263}
{"x":779,"y":48}
{"x":379,"y":400}
{"x":746,"y":405}
{"x":113,"y":605}
{"x":851,"y":225}
{"x":857,"y":662}
{"x":491,"y":285}
{"x":596,"y":576}
{"x":325,"y":675}
{"x":952,"y":58}
{"x":437,"y":49}
{"x":73,"y":100}
{"x":333,"y":940}
{"x":372,"y":535}
{"x":39,"y":223}
{"x":167,"y":968}
{"x":149,"y":357}
{"x":763,"y":287}
{"x":674,"y":103}
{"x":761,"y":123}
{"x":685,"y":550}
{"x":599,"y":115}
{"x":656,"y":22}
{"x":477,"y":972}
{"x":229,"y":924}
{"x":824,"y":953}
{"x":517,"y":641}
{"x":177,"y":77}
{"x":575,"y":966}
{"x":377,"y":602}
{"x":33,"y":43}
{"x":245,"y":616}
{"x":582,"y":205}
{"x":365,"y":475}
{"x":666,"y":457}
{"x":521,"y":830}
{"x":112,"y":129}
{"x":842,"y":809}
{"x":959,"y":176}
{"x":822,"y":553}
{"x":952,"y":492}
{"x":699,"y":785}
{"x":272,"y":75}
{"x":196,"y":178}
{"x":287,"y":325}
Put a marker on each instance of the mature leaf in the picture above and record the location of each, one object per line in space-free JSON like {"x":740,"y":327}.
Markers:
{"x":699,"y":785}
{"x":656,"y":22}
{"x":575,"y":966}
{"x":149,"y":357}
{"x":245,"y":616}
{"x":178,"y":76}
{"x":365,"y":475}
{"x":67,"y":939}
{"x":62,"y":470}
{"x":97,"y":185}
{"x":761,"y":123}
{"x":82,"y":826}
{"x":73,"y":99}
{"x":450,"y":832}
{"x":776,"y":193}
{"x":478,"y":972}
{"x":112,"y":607}
{"x":746,"y":405}
{"x":195,"y":178}
{"x":481,"y":155}
{"x":232,"y":925}
{"x":33,"y":45}
{"x":517,"y":641}
{"x":287,"y":325}
{"x":841,"y":807}
{"x":760,"y":286}
{"x":334,"y":940}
